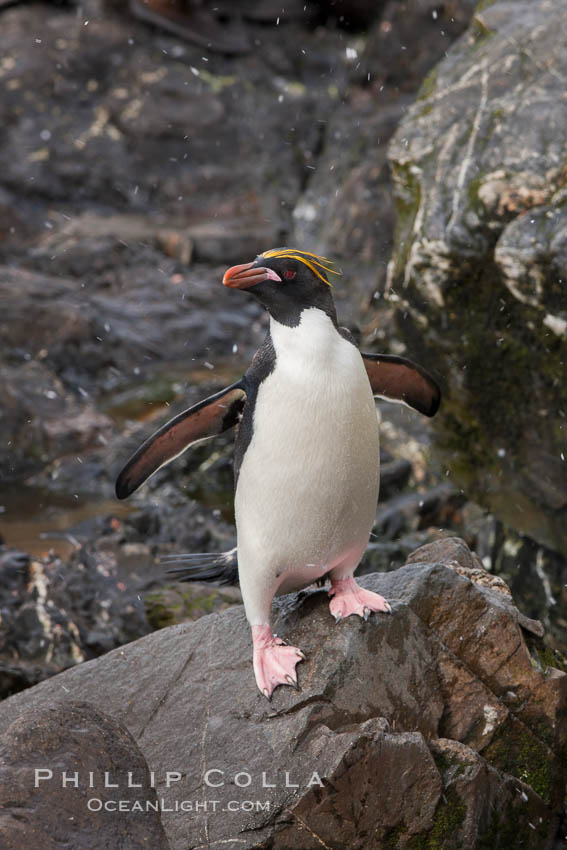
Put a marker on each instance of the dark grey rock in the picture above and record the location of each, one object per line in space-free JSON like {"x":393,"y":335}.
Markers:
{"x":72,"y":342}
{"x":415,"y":510}
{"x":436,"y":721}
{"x":410,"y":38}
{"x":138,"y":168}
{"x":394,"y":475}
{"x":106,"y":332}
{"x":479,"y":260}
{"x":40,"y":420}
{"x":347,"y":210}
{"x":537,"y":577}
{"x":157,"y":127}
{"x":382,"y":556}
{"x":73,"y":738}
{"x":56,"y":614}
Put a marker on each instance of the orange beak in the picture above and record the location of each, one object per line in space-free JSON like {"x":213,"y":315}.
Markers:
{"x":247,"y":275}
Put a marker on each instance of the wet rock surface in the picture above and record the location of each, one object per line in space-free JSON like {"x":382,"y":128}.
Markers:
{"x":60,"y":611}
{"x":443,"y":722}
{"x":55,"y":614}
{"x":128,"y":185}
{"x":42,"y":811}
{"x":479,"y":261}
{"x":141,"y":178}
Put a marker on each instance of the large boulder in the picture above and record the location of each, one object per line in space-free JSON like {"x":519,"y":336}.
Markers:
{"x":441,"y":725}
{"x":39,"y":810}
{"x":480,"y":258}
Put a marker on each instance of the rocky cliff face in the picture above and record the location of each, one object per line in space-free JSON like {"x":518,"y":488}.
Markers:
{"x":480,"y":259}
{"x":440,"y":726}
{"x":127,"y":186}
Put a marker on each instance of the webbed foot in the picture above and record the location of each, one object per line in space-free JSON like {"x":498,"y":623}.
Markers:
{"x":274,"y":660}
{"x":348,"y":598}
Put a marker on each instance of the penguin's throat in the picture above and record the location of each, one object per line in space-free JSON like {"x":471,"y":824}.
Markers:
{"x":314,"y":338}
{"x":286,"y":311}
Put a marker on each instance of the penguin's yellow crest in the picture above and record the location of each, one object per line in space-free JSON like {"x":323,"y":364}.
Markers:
{"x":314,"y":262}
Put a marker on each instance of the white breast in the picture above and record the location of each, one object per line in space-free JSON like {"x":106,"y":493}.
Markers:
{"x":308,"y":483}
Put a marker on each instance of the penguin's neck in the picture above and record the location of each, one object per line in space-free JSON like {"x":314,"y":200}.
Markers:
{"x":312,"y":339}
{"x":289,"y":312}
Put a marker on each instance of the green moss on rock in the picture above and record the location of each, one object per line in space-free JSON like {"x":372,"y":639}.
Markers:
{"x":480,"y":31}
{"x":391,"y":839}
{"x":445,"y":832}
{"x":408,"y":200}
{"x":545,"y":657}
{"x":489,"y":374}
{"x":516,"y":750}
{"x":428,"y":85}
{"x":472,"y":264}
{"x":171,"y":605}
{"x":505,"y":826}
{"x":160,"y":611}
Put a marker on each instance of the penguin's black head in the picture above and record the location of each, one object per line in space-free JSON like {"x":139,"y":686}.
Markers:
{"x":286,"y":282}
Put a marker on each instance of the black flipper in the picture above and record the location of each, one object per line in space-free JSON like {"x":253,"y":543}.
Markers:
{"x":397,"y":379}
{"x":205,"y":419}
{"x":221,"y":568}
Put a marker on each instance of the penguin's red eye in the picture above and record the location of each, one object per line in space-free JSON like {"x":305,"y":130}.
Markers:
{"x":289,"y":274}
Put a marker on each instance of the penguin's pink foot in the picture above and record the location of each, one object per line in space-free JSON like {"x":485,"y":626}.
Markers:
{"x":274,"y":660}
{"x":348,"y":598}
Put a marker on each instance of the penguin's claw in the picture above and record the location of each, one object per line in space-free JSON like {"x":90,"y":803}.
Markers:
{"x":274,"y":661}
{"x":348,"y":598}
